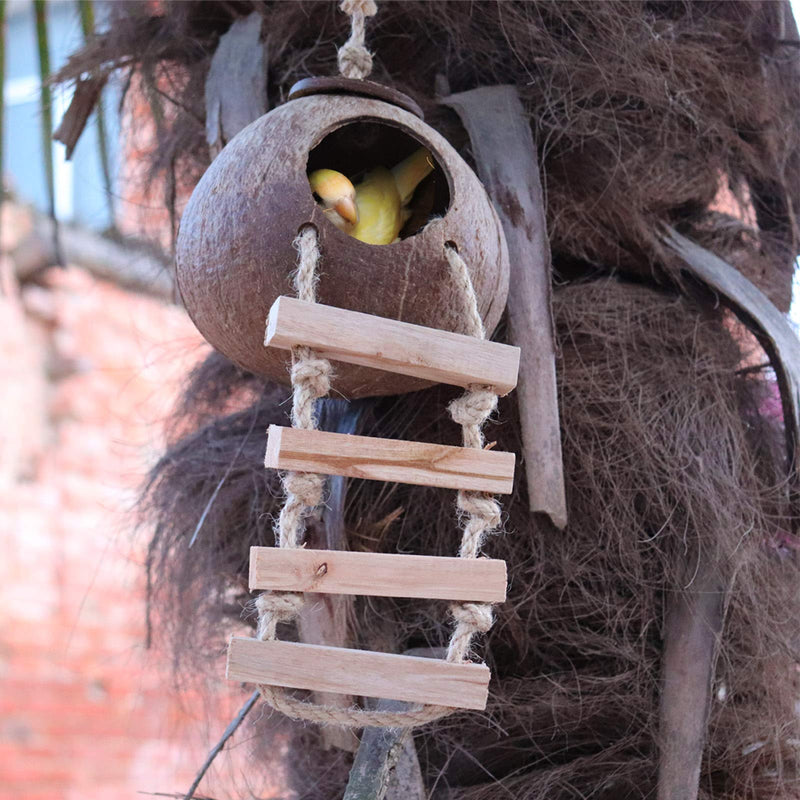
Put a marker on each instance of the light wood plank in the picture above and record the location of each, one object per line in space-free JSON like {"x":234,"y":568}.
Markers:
{"x":394,"y":460}
{"x":500,"y":133}
{"x":358,"y":672}
{"x":378,"y":574}
{"x":391,"y":345}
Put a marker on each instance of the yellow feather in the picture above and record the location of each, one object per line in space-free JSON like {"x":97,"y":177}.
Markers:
{"x":410,"y":172}
{"x":379,"y":210}
{"x":380,"y":199}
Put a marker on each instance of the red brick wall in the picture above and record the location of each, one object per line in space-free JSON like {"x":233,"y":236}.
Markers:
{"x":88,"y":371}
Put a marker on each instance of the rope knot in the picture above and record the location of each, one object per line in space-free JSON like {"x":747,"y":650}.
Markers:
{"x":474,"y":407}
{"x":355,"y":61}
{"x":304,"y":486}
{"x":275,"y":607}
{"x":477,"y":616}
{"x":481,"y":506}
{"x":369,"y":8}
{"x":313,"y":373}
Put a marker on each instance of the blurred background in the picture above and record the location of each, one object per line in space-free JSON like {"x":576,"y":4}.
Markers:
{"x":91,"y":358}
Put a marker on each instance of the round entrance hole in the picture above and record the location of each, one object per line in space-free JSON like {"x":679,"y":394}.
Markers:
{"x":358,"y":147}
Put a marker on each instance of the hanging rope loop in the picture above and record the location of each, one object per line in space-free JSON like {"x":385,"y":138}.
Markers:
{"x":355,"y":61}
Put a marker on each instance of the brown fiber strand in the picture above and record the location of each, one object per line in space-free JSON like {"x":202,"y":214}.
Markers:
{"x":667,"y":449}
{"x":641,"y":110}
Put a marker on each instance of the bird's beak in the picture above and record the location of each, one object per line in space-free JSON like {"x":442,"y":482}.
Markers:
{"x":346,"y":208}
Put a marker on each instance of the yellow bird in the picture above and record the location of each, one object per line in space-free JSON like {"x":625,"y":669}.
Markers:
{"x":376,"y":209}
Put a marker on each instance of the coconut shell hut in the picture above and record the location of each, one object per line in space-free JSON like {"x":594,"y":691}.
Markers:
{"x":648,"y":646}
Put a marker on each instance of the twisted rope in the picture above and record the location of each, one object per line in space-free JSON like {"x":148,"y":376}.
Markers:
{"x":355,"y":61}
{"x":310,"y":376}
{"x":481,"y":512}
{"x":310,"y":381}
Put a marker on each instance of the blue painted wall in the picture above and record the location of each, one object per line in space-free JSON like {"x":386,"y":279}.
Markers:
{"x":80,"y":197}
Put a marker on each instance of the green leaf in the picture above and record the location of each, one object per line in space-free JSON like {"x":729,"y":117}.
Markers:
{"x":46,"y":99}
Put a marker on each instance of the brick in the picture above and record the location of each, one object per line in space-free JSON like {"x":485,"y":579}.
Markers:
{"x":85,"y":712}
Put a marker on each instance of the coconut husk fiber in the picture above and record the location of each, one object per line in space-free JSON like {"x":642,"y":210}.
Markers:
{"x":669,"y":459}
{"x":643,"y":112}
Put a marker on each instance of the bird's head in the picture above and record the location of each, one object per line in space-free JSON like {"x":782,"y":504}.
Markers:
{"x":337,"y":194}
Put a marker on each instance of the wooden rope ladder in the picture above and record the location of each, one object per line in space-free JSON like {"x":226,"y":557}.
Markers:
{"x":314,"y":333}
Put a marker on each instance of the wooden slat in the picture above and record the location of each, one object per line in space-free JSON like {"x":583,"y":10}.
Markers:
{"x":378,"y":574}
{"x":393,"y":346}
{"x":419,"y":463}
{"x":386,"y":766}
{"x":358,"y":672}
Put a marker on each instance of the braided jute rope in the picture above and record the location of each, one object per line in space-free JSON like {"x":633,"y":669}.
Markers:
{"x":355,"y":61}
{"x":311,"y":380}
{"x":481,"y":511}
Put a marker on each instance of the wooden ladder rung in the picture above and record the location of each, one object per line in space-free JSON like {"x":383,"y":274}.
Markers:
{"x":387,"y":344}
{"x":378,"y":574}
{"x":392,"y":460}
{"x":358,"y":672}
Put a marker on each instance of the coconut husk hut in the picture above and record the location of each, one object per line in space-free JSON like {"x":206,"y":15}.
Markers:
{"x":648,"y":645}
